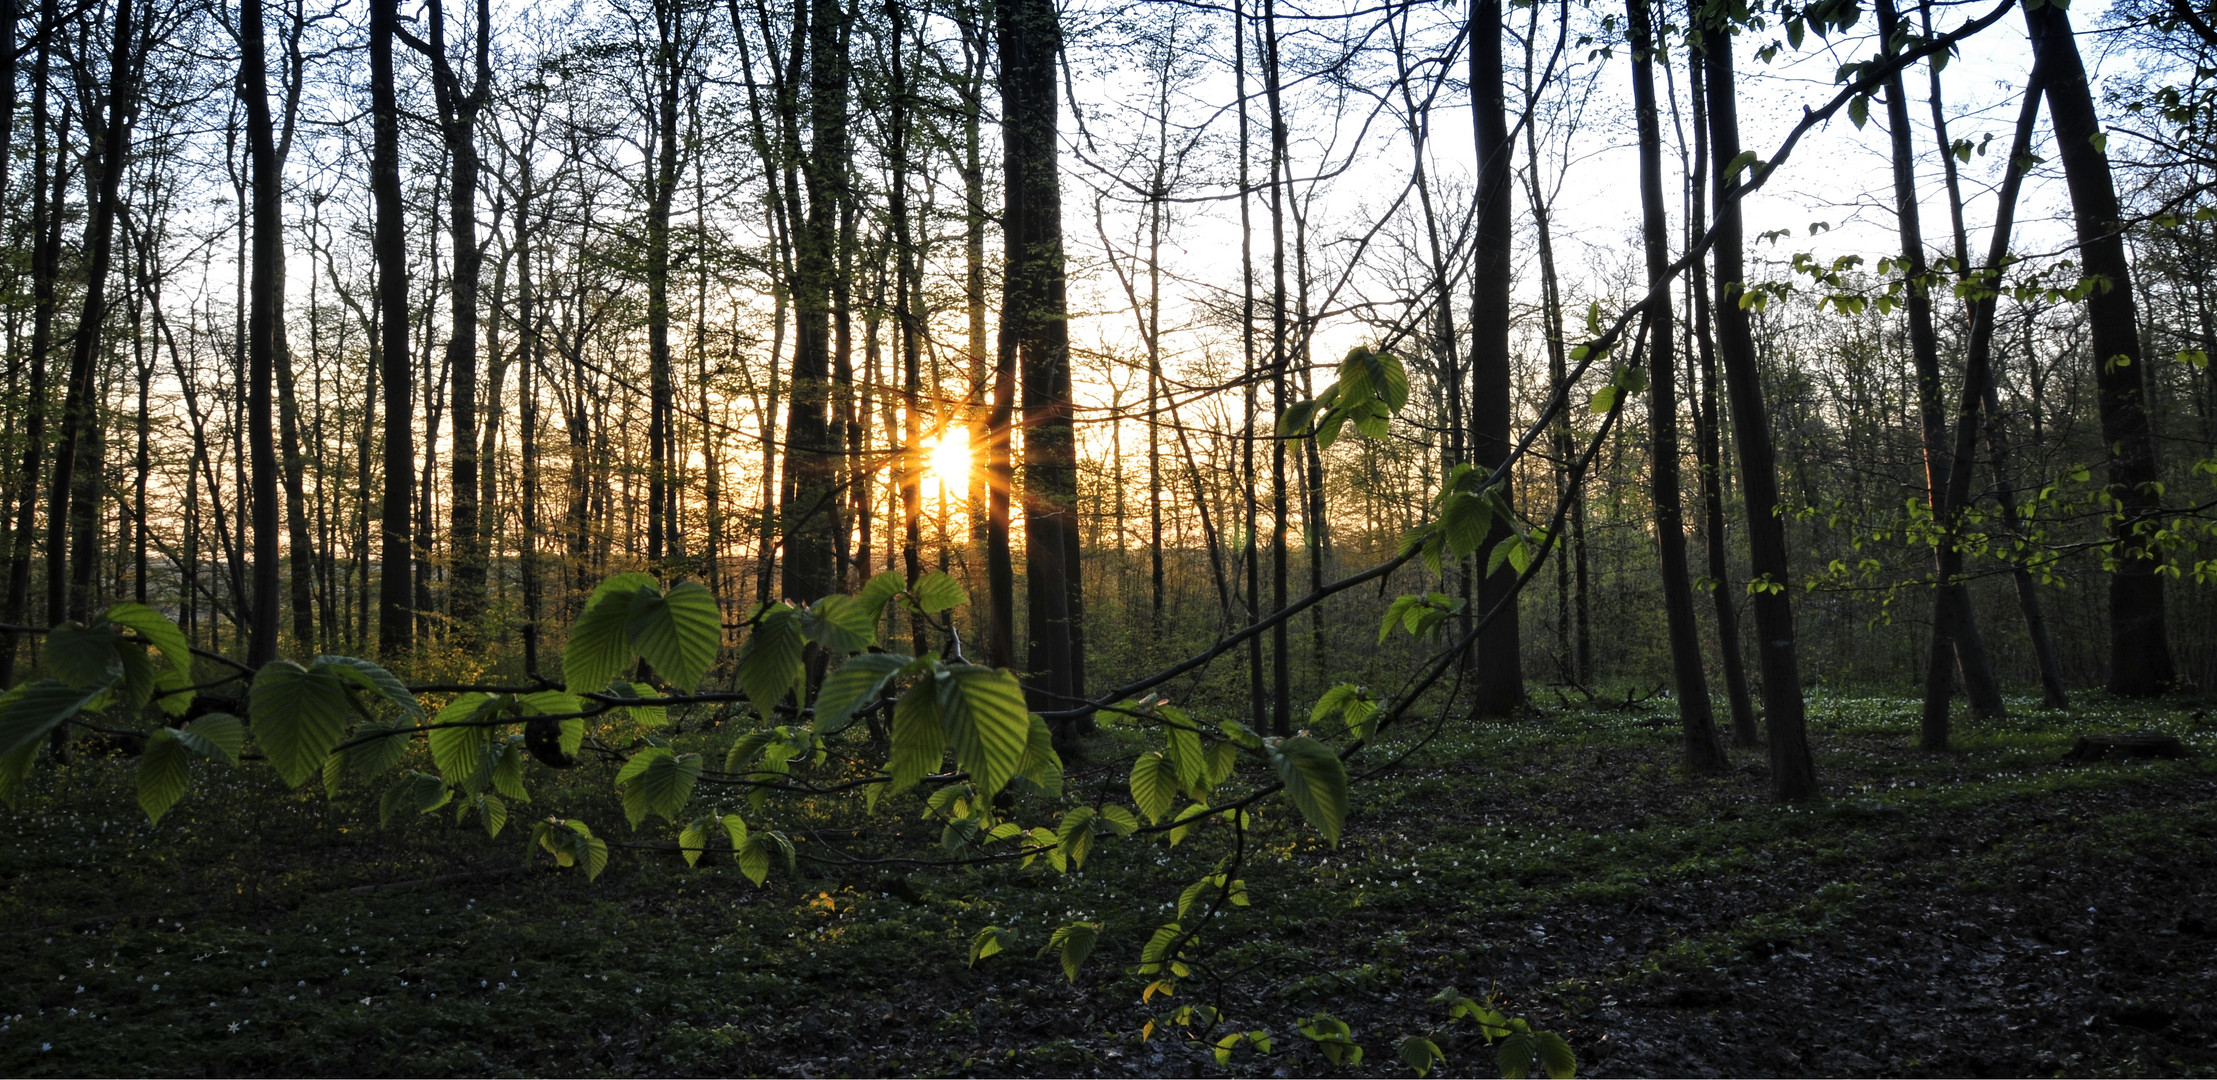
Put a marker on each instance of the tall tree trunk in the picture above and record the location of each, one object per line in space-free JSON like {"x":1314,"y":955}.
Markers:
{"x":1707,"y":436}
{"x":812,"y":458}
{"x":264,"y":312}
{"x":46,"y":215}
{"x":395,"y":623}
{"x":1281,"y":395}
{"x":1035,"y":336}
{"x":1500,"y":672}
{"x":1697,"y":722}
{"x":1955,"y":639}
{"x":1793,"y":771}
{"x":77,"y":479}
{"x":2139,"y":647}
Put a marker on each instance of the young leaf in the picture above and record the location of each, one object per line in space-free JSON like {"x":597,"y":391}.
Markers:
{"x":919,"y":738}
{"x":1420,"y":1053}
{"x":677,"y":633}
{"x":692,"y":840}
{"x":420,"y":792}
{"x":841,"y":624}
{"x":163,"y":776}
{"x":987,"y":723}
{"x":370,"y":677}
{"x":771,"y":662}
{"x":936,"y":592}
{"x":1073,"y":943}
{"x":882,"y":587}
{"x":1315,"y":781}
{"x":854,"y":684}
{"x":1154,"y":785}
{"x":30,"y":711}
{"x":599,"y":648}
{"x":657,"y":781}
{"x":215,"y":736}
{"x":298,"y":716}
{"x":458,"y":743}
{"x":1041,"y":765}
{"x":989,"y":941}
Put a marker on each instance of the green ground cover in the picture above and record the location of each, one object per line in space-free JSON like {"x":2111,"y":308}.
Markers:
{"x":1988,"y":911}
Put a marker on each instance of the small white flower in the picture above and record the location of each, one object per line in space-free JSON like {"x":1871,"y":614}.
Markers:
{"x":365,"y":1001}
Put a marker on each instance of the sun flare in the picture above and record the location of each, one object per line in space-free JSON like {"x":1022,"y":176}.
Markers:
{"x":948,"y":457}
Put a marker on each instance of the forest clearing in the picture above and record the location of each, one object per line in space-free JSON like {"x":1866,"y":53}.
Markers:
{"x":1197,"y":537}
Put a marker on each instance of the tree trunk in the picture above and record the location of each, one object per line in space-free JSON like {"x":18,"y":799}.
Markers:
{"x":1793,"y":772}
{"x":1704,"y":752}
{"x":395,"y":623}
{"x":1500,"y":672}
{"x":2139,"y":648}
{"x":1035,"y":337}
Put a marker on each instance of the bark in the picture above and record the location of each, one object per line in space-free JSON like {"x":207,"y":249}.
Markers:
{"x":395,"y":623}
{"x":1035,"y":337}
{"x":1697,"y":722}
{"x":1793,"y":771}
{"x":46,"y":215}
{"x":2139,"y":647}
{"x":1500,"y":669}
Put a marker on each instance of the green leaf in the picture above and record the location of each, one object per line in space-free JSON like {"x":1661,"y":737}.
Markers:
{"x":919,"y":738}
{"x":1327,"y":430}
{"x":1604,"y":400}
{"x":420,"y":792}
{"x":83,"y":655}
{"x":1420,"y":1053}
{"x":853,"y":685}
{"x":735,"y":828}
{"x":692,"y":840}
{"x":298,"y":716}
{"x":174,"y":692}
{"x":754,"y":858}
{"x":1154,"y":785}
{"x":1315,"y":781}
{"x":363,"y":760}
{"x":493,"y":811}
{"x":599,"y":647}
{"x":884,"y":586}
{"x":215,"y":736}
{"x":657,"y":781}
{"x":1075,"y":833}
{"x":989,"y":941}
{"x":1296,"y":419}
{"x":1073,"y":943}
{"x":1183,"y":747}
{"x":370,"y":677}
{"x":1041,"y":765}
{"x":1556,"y":1058}
{"x":937,"y":591}
{"x":841,"y":624}
{"x":1859,"y":110}
{"x":163,"y":776}
{"x":158,"y":631}
{"x":31,"y":711}
{"x":508,"y":770}
{"x":987,"y":723}
{"x":1117,"y":819}
{"x":770,"y":663}
{"x":458,"y":746}
{"x":677,"y":633}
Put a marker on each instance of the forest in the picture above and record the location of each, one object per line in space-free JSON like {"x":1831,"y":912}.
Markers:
{"x":1191,"y":537}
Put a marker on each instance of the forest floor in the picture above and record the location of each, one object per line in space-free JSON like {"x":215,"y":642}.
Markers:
{"x":1989,"y":911}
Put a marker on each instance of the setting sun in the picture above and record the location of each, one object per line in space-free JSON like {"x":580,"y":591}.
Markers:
{"x":948,"y":457}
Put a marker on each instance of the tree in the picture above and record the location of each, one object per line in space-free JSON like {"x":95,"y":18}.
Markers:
{"x":1704,"y":752}
{"x":1793,"y":772}
{"x":1035,"y":339}
{"x":2139,"y":646}
{"x":1500,"y":666}
{"x":395,"y":624}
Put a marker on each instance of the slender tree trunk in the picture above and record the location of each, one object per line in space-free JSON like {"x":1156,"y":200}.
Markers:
{"x":76,"y":494}
{"x":2139,"y":647}
{"x":395,"y":622}
{"x":1793,"y":771}
{"x":46,"y":214}
{"x":1704,"y":752}
{"x":1500,"y":672}
{"x":1707,"y":436}
{"x":1035,"y":336}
